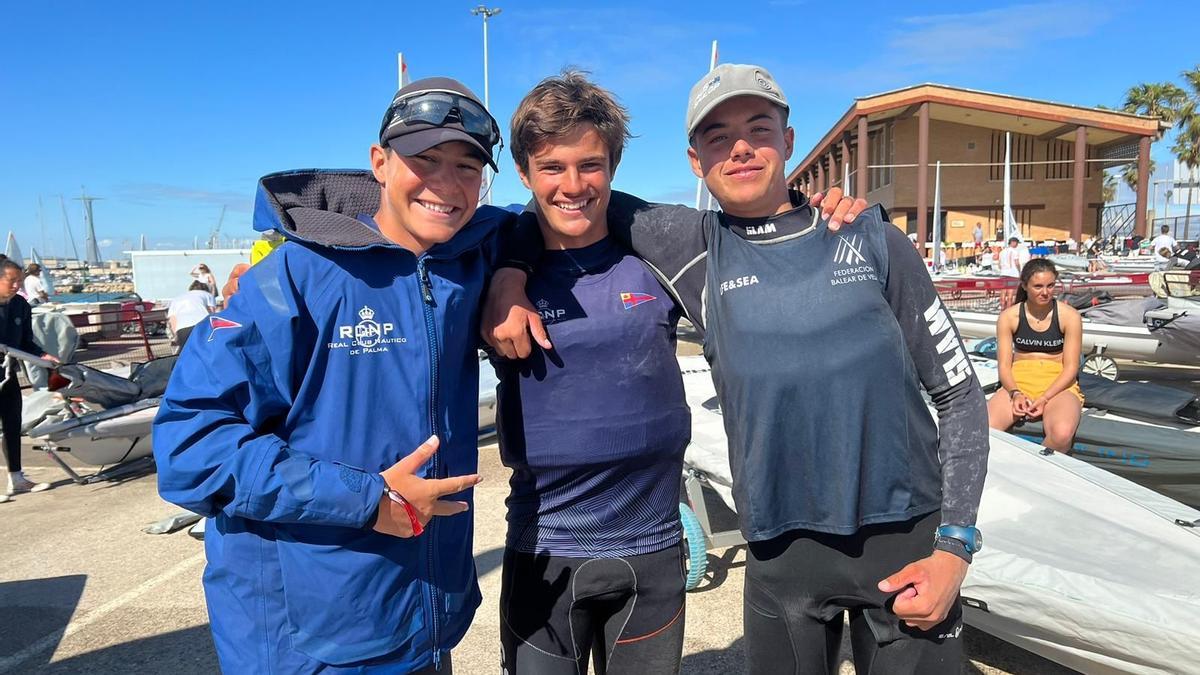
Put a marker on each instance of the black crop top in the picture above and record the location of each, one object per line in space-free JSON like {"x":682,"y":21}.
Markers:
{"x":1050,"y":341}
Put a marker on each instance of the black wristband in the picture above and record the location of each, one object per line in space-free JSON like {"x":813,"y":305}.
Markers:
{"x":952,"y":545}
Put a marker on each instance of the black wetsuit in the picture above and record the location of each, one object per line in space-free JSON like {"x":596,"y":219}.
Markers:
{"x":16,"y":330}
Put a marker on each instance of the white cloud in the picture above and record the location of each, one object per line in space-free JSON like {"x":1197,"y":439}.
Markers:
{"x":148,"y":194}
{"x":942,"y":46}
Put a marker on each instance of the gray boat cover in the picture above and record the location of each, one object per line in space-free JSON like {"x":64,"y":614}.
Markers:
{"x":1130,"y":312}
{"x":1177,"y":330}
{"x":1163,"y":459}
{"x":54,"y":332}
{"x":1142,"y":400}
{"x":148,"y":380}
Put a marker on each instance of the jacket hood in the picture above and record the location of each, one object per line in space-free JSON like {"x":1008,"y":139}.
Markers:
{"x":321,"y":207}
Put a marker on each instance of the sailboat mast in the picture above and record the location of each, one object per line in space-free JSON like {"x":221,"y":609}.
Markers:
{"x":67,"y":229}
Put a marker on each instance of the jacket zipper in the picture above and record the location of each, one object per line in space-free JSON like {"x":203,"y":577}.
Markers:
{"x":428,"y":303}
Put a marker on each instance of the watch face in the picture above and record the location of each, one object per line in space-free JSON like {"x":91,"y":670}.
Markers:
{"x":978,"y":541}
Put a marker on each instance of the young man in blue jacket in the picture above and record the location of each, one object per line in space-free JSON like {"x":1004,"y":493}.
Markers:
{"x":292,"y":416}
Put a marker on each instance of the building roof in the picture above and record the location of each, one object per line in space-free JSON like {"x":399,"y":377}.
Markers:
{"x":1044,"y":119}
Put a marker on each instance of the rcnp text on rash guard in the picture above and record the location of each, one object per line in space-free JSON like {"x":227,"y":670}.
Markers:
{"x":595,"y":429}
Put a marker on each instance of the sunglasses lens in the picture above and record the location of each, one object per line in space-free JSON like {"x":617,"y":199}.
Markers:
{"x":435,"y":107}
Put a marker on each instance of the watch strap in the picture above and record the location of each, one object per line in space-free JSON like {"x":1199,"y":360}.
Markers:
{"x":954,"y":546}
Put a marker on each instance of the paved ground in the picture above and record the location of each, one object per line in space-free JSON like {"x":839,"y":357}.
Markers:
{"x":83,"y":590}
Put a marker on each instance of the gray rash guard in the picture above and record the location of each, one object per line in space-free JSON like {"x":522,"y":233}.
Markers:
{"x":820,"y":344}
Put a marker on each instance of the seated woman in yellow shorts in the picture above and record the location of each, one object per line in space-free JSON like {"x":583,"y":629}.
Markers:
{"x":1038,"y":344}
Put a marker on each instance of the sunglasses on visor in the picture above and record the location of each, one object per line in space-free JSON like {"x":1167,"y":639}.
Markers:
{"x":434,"y":108}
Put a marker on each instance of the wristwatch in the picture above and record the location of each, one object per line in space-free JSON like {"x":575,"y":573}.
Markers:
{"x":970,"y":538}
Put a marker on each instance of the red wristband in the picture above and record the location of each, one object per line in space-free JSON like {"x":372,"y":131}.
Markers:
{"x":417,"y":528}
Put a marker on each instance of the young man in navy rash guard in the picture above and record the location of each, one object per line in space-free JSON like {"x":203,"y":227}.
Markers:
{"x":594,"y":430}
{"x":850,"y":497}
{"x":292,"y":415}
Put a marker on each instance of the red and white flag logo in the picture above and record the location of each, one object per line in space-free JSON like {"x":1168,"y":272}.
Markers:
{"x":217,"y":323}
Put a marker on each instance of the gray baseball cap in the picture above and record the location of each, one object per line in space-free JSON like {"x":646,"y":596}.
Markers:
{"x":727,"y":81}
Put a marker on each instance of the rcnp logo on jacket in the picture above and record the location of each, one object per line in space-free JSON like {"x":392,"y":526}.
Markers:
{"x":368,"y":336}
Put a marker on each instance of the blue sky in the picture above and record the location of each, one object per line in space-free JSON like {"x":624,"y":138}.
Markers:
{"x":171,"y":110}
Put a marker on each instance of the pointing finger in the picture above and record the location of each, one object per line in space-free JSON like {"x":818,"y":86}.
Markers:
{"x":449,"y":486}
{"x":538,"y":330}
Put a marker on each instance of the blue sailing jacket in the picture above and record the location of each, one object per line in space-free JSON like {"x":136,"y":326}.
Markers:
{"x":339,"y":355}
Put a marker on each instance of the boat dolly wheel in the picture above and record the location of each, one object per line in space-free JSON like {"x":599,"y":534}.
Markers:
{"x":696,"y":544}
{"x":1099,"y":364}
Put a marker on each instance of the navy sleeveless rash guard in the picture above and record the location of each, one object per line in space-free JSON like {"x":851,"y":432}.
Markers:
{"x":595,"y":429}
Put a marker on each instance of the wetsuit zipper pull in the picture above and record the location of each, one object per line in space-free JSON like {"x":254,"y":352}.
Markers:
{"x":426,"y":288}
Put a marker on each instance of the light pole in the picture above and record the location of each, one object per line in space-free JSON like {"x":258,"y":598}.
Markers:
{"x":486,"y":13}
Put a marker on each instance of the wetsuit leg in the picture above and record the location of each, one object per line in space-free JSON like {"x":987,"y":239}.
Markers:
{"x":641,"y":630}
{"x":937,"y":652}
{"x":785,"y":633}
{"x":540,"y":634}
{"x":10,"y":419}
{"x":626,"y":614}
{"x":799,"y":584}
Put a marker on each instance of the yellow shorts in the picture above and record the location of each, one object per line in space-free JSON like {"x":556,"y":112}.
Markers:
{"x":1034,"y":377}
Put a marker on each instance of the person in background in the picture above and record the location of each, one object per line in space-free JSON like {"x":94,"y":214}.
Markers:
{"x":1038,"y":345}
{"x":978,"y":235}
{"x":204,"y":275}
{"x":1012,"y":259}
{"x":16,"y":330}
{"x":1162,"y":247}
{"x":35,"y":288}
{"x":187,"y":310}
{"x":1095,"y":249}
{"x":987,"y":260}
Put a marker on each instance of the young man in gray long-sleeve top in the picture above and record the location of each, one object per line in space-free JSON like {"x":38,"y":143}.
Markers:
{"x":820,"y":341}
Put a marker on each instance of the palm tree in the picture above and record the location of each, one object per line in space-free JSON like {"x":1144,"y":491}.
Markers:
{"x":1108,"y":192}
{"x":1155,"y":99}
{"x":1187,"y":140}
{"x":1129,"y":174}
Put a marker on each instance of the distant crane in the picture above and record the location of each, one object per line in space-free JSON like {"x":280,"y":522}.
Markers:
{"x":214,"y":239}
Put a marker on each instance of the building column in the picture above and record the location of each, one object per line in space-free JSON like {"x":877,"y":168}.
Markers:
{"x":1077,"y":188}
{"x":831,"y":178}
{"x":922,"y":176}
{"x":863,"y":184}
{"x":820,"y":175}
{"x":1141,"y":223}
